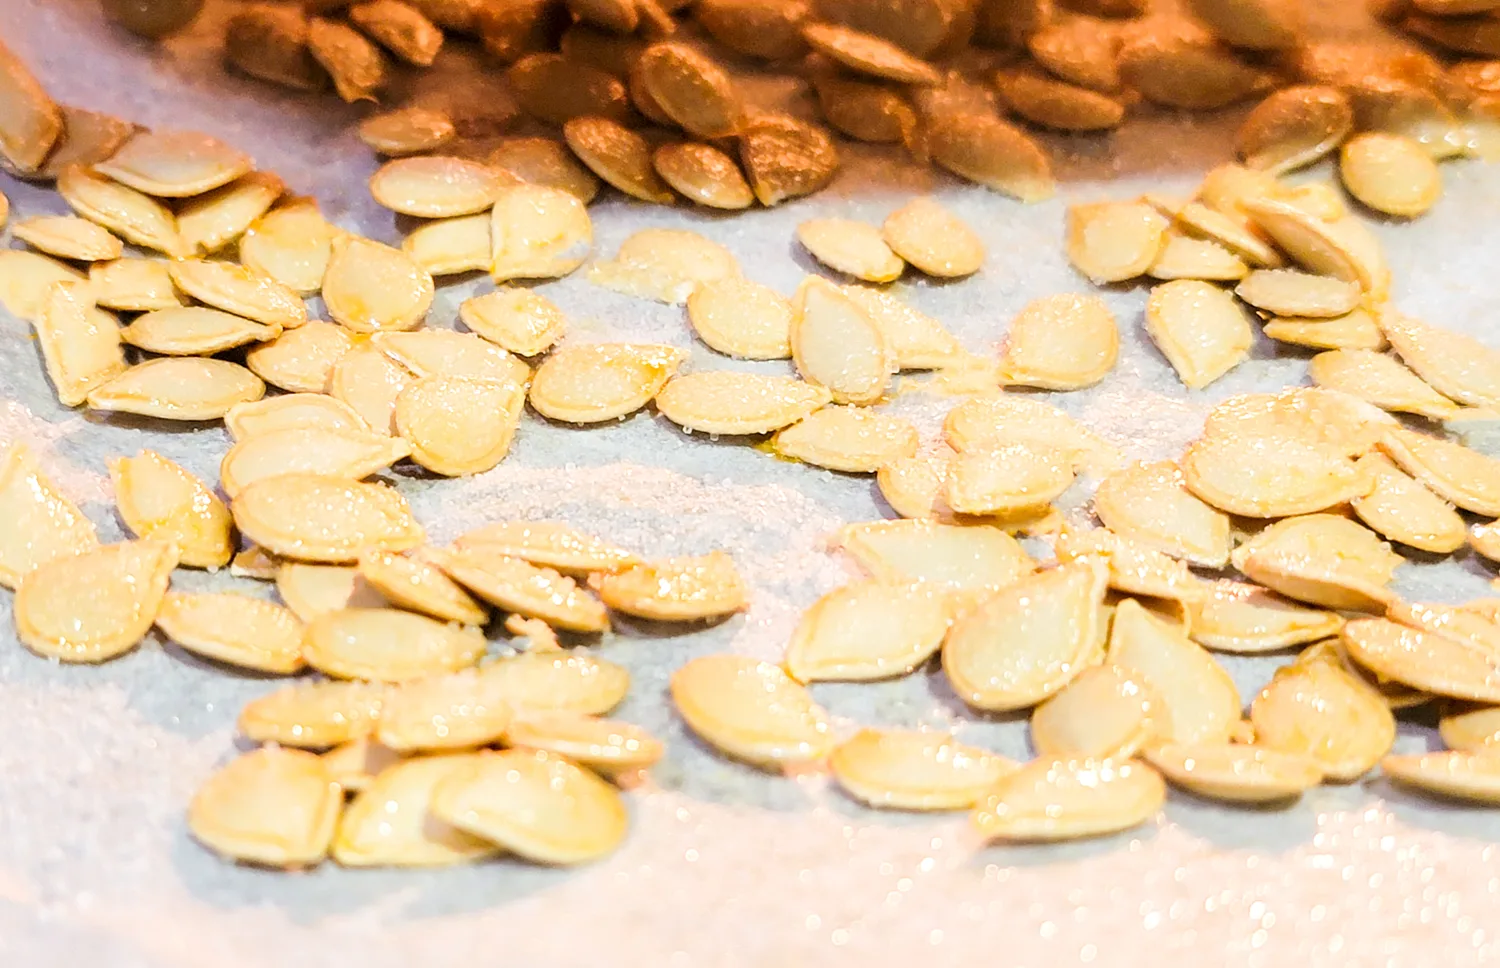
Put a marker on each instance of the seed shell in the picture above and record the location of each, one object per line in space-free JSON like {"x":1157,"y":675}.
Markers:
{"x":312,"y":591}
{"x":741,"y":318}
{"x":241,"y":291}
{"x":368,"y":381}
{"x":291,"y":244}
{"x":301,"y":360}
{"x":356,"y":65}
{"x":459,"y":426}
{"x":731,"y":402}
{"x":1062,"y":342}
{"x":849,"y":439}
{"x":548,"y":680}
{"x":188,"y":388}
{"x":545,"y":162}
{"x":1269,"y":477}
{"x":1246,"y":619}
{"x":407,"y":131}
{"x":992,"y":153}
{"x":1294,"y":127}
{"x":550,"y":544}
{"x":917,"y":341}
{"x":273,"y":807}
{"x":1452,"y":471}
{"x":785,"y":158}
{"x":1427,"y":661}
{"x":867,"y":630}
{"x":538,"y":233}
{"x":235,"y":629}
{"x":1314,"y":708}
{"x":1455,"y":365}
{"x":867,"y":54}
{"x":703,"y":174}
{"x":93,"y":606}
{"x":1403,"y":510}
{"x":518,"y":586}
{"x":457,"y":711}
{"x":968,"y":557}
{"x":159,"y":500}
{"x":619,"y":156}
{"x":1468,"y":776}
{"x":1381,"y":380}
{"x":1236,"y":773}
{"x":135,"y":217}
{"x":194,"y":331}
{"x":413,"y":584}
{"x":399,"y":28}
{"x":436,"y":186}
{"x":1105,"y":711}
{"x":850,"y":247}
{"x":68,"y":237}
{"x":557,"y":90}
{"x":213,"y":220}
{"x":385,"y":645}
{"x":1203,"y":705}
{"x":351,"y":454}
{"x":451,"y":246}
{"x":1060,"y":798}
{"x":1199,"y":329}
{"x":751,"y":711}
{"x":133,"y":285}
{"x":690,"y":89}
{"x":676,"y":589}
{"x":933,"y":239}
{"x":837,"y":345}
{"x":1114,"y":241}
{"x":519,"y":320}
{"x":915,"y":770}
{"x":324,"y":519}
{"x":30,"y":123}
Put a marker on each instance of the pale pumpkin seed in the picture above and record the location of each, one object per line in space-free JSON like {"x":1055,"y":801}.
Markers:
{"x":1246,"y":619}
{"x":1183,"y":256}
{"x":545,"y":162}
{"x":1114,"y":241}
{"x":1343,"y":248}
{"x":457,"y":711}
{"x":837,"y":345}
{"x":194,"y":331}
{"x":96,"y":605}
{"x":235,"y":629}
{"x":1381,"y":380}
{"x":1457,"y":775}
{"x":369,"y":381}
{"x":38,"y":524}
{"x":1287,"y":292}
{"x":372,"y":288}
{"x":977,"y":559}
{"x":1472,"y":730}
{"x":730,"y":402}
{"x":751,"y":711}
{"x":1235,"y":773}
{"x":385,"y":645}
{"x":1059,"y":798}
{"x":301,"y":360}
{"x":1202,"y":703}
{"x":324,"y":519}
{"x":741,"y":318}
{"x":1353,"y":331}
{"x":187,"y":388}
{"x":1452,"y":471}
{"x":534,"y":804}
{"x":312,"y":591}
{"x":289,"y":412}
{"x":1133,"y":570}
{"x":291,"y":244}
{"x":241,"y":291}
{"x":592,"y":383}
{"x":551,"y":544}
{"x":414,"y":584}
{"x":133,"y":285}
{"x":849,"y":439}
{"x":547,"y":680}
{"x":80,"y":342}
{"x":390,"y":823}
{"x":159,"y":500}
{"x":676,"y":589}
{"x":213,"y":220}
{"x":1150,"y":505}
{"x":436,"y":186}
{"x":519,"y":586}
{"x":407,"y":131}
{"x":1485,"y":539}
{"x":1229,"y":231}
{"x":1427,"y":661}
{"x":68,"y":237}
{"x":665,"y":265}
{"x":88,"y":137}
{"x":135,"y":217}
{"x":1105,"y":711}
{"x":1294,"y":128}
{"x":608,"y":747}
{"x":1007,"y":478}
{"x":314,"y":715}
{"x":933,"y":239}
{"x":272,"y":807}
{"x":1062,"y":342}
{"x":851,"y":247}
{"x":30,"y":122}
{"x":175,"y":164}
{"x":442,"y":352}
{"x":1199,"y":328}
{"x":993,"y":420}
{"x":915,"y":770}
{"x":1403,"y":510}
{"x":451,"y":246}
{"x":867,"y":630}
{"x":917,"y":341}
{"x":1269,"y":477}
{"x":351,"y":454}
{"x":355,"y":764}
{"x":459,"y":426}
{"x":1315,"y":708}
{"x":538,"y":233}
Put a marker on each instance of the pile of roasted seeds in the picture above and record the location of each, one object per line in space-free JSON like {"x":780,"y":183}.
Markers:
{"x":176,"y":292}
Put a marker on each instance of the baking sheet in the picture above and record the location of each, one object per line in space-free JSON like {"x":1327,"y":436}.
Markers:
{"x":724,"y":866}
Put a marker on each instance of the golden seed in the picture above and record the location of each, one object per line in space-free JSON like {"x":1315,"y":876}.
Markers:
{"x":400,"y":28}
{"x":703,"y":174}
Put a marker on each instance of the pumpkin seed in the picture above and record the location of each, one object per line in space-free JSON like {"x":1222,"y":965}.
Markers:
{"x":175,"y":164}
{"x":235,"y":629}
{"x":608,"y":747}
{"x":1314,"y":708}
{"x":837,"y":345}
{"x":550,"y":544}
{"x":350,"y":454}
{"x":88,"y":137}
{"x":1080,"y":50}
{"x":391,"y":824}
{"x":1381,"y":380}
{"x":730,"y":402}
{"x":271,"y":806}
{"x":867,"y":54}
{"x":1458,"y":775}
{"x":547,"y":680}
{"x":1427,"y":661}
{"x":1028,"y":641}
{"x":992,"y":153}
{"x":865,"y":110}
{"x":1452,"y":471}
{"x":213,"y":220}
{"x":593,"y":383}
{"x":1456,"y":623}
{"x":1251,"y":24}
{"x":751,"y":711}
{"x":324,"y":519}
{"x":133,"y":285}
{"x":385,"y":645}
{"x":1105,"y":711}
{"x":933,"y":239}
{"x":1007,"y":479}
{"x":1225,"y":230}
{"x":135,"y":217}
{"x":1058,"y":798}
{"x":194,"y":331}
{"x":1114,"y":241}
{"x":1056,"y":104}
{"x":451,"y":246}
{"x":619,"y":156}
{"x":161,"y":501}
{"x":290,"y":412}
{"x":690,"y":89}
{"x":416,"y":585}
{"x":290,"y":244}
{"x":1199,"y":329}
{"x":1236,"y":773}
{"x":355,"y":764}
{"x":39,"y":523}
{"x":187,"y":388}
{"x":545,"y":162}
{"x":80,"y":342}
{"x":400,"y":28}
{"x":270,"y":43}
{"x":1403,"y":510}
{"x":95,"y":605}
{"x":315,"y":715}
{"x":68,"y":237}
{"x":1353,"y":331}
{"x":538,"y":233}
{"x":919,"y":26}
{"x":961,"y":557}
{"x":1294,"y":127}
{"x":848,"y":439}
{"x":1287,"y":292}
{"x":741,"y":318}
{"x":356,"y":65}
{"x":917,"y":340}
{"x":995,"y":420}
{"x":1202,"y":703}
{"x":1246,"y":619}
{"x":312,"y":591}
{"x":676,"y":589}
{"x":1176,"y":65}
{"x":665,"y":265}
{"x":1322,"y":559}
{"x":30,"y":123}
{"x":371,"y":288}
{"x":556,"y":90}
{"x":369,"y":381}
{"x":1463,"y":35}
{"x":516,"y":585}
{"x":850,"y":247}
{"x":300,"y":360}
{"x":534,"y":804}
{"x":459,"y":426}
{"x":1485,"y":539}
{"x":457,"y":711}
{"x":1150,"y":505}
{"x":765,"y":30}
{"x":1133,"y":570}
{"x":1343,"y":248}
{"x":785,"y":158}
{"x":1390,"y":174}
{"x":441,"y":352}
{"x":1269,"y":477}
{"x":915,"y":770}
{"x":407,"y":131}
{"x":1455,"y":365}
{"x":241,"y":291}
{"x":1062,"y":342}
{"x":436,"y":186}
{"x":1474,"y":730}
{"x":867,"y":630}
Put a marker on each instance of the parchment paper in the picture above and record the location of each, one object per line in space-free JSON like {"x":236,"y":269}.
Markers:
{"x":724,"y":866}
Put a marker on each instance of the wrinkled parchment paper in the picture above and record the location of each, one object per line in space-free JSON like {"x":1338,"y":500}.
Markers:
{"x":724,"y":866}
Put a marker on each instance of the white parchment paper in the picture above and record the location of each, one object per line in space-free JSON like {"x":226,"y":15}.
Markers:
{"x":724,"y":866}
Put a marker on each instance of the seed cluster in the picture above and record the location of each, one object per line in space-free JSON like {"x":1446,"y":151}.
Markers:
{"x":453,"y":756}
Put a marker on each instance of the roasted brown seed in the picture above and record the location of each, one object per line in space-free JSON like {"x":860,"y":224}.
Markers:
{"x":1251,"y":24}
{"x":867,"y":54}
{"x":269,"y":42}
{"x":621,"y":16}
{"x":619,"y":156}
{"x":152,"y":19}
{"x":545,"y":162}
{"x":691,"y":90}
{"x":400,"y":28}
{"x":356,"y":65}
{"x":30,"y":122}
{"x":407,"y":131}
{"x":768,"y":29}
{"x":865,"y":110}
{"x":1294,"y":127}
{"x":88,"y":137}
{"x":1176,"y":65}
{"x":1080,"y":50}
{"x":1478,"y":35}
{"x":986,"y":150}
{"x":1057,"y":104}
{"x":554,"y":89}
{"x":703,"y":174}
{"x":786,"y":158}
